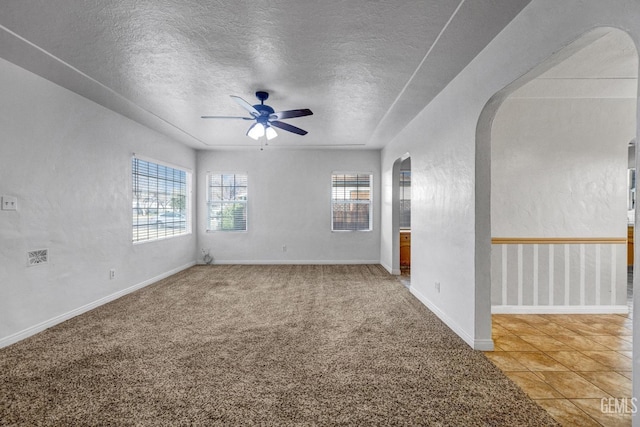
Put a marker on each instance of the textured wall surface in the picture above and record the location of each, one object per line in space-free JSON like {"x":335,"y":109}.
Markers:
{"x":558,"y":169}
{"x":68,"y":162}
{"x":289,"y":204}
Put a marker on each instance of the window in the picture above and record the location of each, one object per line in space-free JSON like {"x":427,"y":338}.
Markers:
{"x":160,"y":201}
{"x":227,"y":201}
{"x":405,"y":199}
{"x":351,"y":202}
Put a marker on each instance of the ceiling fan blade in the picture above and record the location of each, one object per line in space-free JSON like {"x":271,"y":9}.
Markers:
{"x":288,"y":127}
{"x":289,"y":114}
{"x":227,"y":117}
{"x":244,"y":104}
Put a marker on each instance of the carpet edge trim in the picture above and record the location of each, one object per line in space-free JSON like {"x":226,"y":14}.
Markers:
{"x":39,"y":327}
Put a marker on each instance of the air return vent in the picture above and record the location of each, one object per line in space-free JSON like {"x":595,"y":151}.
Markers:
{"x":37,"y":257}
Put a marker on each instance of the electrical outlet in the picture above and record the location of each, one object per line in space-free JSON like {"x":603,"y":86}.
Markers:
{"x":9,"y":203}
{"x":112,"y":273}
{"x":438,"y":287}
{"x":284,"y":248}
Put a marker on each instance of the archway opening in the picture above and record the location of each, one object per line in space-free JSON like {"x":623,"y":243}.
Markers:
{"x":562,"y":200}
{"x":559,"y":184}
{"x":401,"y":218}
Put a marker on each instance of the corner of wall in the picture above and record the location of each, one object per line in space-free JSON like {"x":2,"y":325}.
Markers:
{"x":32,"y":330}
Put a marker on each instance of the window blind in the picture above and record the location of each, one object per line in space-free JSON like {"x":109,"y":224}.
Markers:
{"x":405,"y":199}
{"x":351,"y":202}
{"x":159,"y":201}
{"x":227,"y":201}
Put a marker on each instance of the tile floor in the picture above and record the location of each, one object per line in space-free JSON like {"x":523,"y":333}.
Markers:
{"x":577,"y":367}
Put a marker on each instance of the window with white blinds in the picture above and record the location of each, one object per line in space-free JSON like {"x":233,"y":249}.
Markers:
{"x":227,"y":201}
{"x":405,"y":199}
{"x":351,"y":202}
{"x":160,"y":201}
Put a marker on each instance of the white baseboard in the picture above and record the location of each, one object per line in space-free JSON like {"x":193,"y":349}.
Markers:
{"x":295,"y":262}
{"x":483,"y":345}
{"x":32,"y":330}
{"x":559,"y":309}
{"x":476,"y":344}
{"x":391,"y":271}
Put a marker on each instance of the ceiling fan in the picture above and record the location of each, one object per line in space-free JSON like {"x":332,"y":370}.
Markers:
{"x":266,"y":118}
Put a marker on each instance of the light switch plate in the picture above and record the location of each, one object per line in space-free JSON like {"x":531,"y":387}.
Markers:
{"x":9,"y":203}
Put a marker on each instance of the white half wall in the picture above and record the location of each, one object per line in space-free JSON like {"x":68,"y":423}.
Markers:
{"x":68,"y":163}
{"x":289,"y":204}
{"x":540,"y":277}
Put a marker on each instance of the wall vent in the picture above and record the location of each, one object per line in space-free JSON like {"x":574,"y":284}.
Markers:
{"x":37,"y":257}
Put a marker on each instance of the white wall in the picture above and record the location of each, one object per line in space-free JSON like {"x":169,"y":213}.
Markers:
{"x":559,"y":167}
{"x":449,"y":142}
{"x":558,"y":170}
{"x":442,"y":215}
{"x":68,"y":162}
{"x":289,"y":204}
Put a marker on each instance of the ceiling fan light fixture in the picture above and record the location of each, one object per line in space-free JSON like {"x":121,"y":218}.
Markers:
{"x":266,"y":118}
{"x":270,"y":132}
{"x":256,"y":131}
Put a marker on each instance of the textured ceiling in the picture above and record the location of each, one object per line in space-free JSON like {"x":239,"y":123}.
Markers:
{"x":603,"y":65}
{"x":364,"y":67}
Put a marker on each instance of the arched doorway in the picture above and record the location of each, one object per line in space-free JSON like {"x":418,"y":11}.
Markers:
{"x":401,"y":218}
{"x":559,"y":201}
{"x":559,"y":158}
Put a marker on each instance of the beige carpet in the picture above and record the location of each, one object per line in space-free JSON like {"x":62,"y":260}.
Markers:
{"x":267,"y":345}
